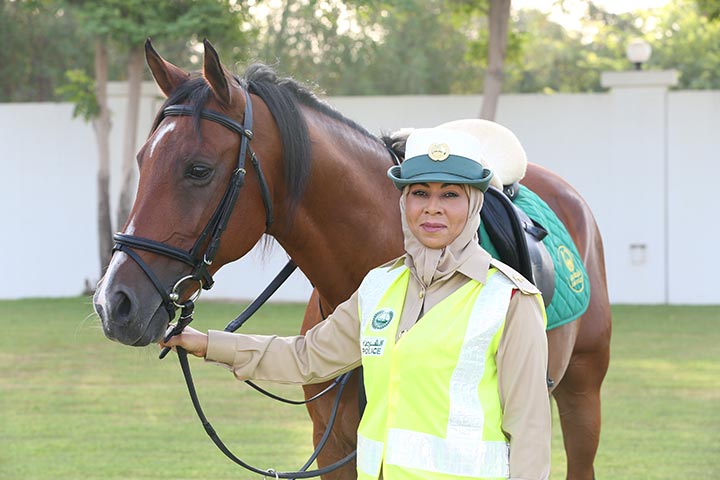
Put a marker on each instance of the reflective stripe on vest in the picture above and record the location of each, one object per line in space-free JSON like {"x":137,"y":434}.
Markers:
{"x":375,"y":295}
{"x":402,"y":427}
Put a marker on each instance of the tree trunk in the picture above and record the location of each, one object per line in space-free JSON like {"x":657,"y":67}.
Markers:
{"x":498,"y":18}
{"x":136,"y":64}
{"x":101,"y":126}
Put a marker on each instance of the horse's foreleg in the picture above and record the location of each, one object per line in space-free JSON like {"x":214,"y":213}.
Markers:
{"x":342,"y":439}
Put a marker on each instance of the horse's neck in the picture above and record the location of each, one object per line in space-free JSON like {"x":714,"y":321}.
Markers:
{"x":348,"y":221}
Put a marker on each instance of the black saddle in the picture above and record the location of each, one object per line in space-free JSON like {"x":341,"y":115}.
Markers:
{"x":518,"y":239}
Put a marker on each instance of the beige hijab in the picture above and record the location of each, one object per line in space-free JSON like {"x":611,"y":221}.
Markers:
{"x":432,"y":265}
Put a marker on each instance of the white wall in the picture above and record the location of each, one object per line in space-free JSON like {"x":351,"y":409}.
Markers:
{"x":643,"y":158}
{"x":47,"y":193}
{"x":693,"y":228}
{"x":636,"y":188}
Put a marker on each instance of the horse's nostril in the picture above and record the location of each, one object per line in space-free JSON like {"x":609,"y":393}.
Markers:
{"x":124,"y":305}
{"x":122,"y":308}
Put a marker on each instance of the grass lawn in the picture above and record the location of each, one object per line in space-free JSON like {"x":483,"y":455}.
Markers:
{"x":74,"y":405}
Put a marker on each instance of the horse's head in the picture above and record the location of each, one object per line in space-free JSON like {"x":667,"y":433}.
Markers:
{"x":192,"y":188}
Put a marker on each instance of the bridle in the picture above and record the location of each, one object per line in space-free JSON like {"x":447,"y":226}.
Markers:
{"x":217,"y":224}
{"x":200,"y":274}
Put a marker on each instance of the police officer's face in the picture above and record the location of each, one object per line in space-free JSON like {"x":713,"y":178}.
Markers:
{"x":436,"y":212}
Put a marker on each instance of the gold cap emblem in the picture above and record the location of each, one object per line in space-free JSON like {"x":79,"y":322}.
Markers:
{"x":439,"y":152}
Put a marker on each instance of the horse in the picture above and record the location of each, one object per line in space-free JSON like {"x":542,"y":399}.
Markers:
{"x":317,"y":184}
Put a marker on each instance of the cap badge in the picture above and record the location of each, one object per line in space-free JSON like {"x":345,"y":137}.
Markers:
{"x":439,"y":152}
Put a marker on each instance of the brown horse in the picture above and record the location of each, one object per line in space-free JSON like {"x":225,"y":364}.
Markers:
{"x":319,"y":188}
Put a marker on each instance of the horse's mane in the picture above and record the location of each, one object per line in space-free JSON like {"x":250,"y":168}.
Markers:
{"x":396,"y":142}
{"x":283,"y":97}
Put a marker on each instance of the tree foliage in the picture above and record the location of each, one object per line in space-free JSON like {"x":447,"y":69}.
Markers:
{"x":689,"y":42}
{"x":421,"y":50}
{"x":44,"y":39}
{"x":40,"y":42}
{"x":559,"y":60}
{"x":709,"y":8}
{"x":176,"y":26}
{"x":367,"y":47}
{"x":355,"y":47}
{"x":131,"y":21}
{"x":79,"y":89}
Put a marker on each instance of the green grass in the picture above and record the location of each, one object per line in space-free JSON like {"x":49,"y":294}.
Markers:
{"x":661,"y":397}
{"x":74,"y":405}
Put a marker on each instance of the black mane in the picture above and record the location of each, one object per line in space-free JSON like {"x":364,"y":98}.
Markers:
{"x":283,"y":97}
{"x":396,"y":142}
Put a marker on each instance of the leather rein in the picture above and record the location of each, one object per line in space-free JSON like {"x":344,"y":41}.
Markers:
{"x":200,"y":274}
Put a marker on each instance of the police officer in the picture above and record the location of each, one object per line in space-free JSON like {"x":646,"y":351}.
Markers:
{"x":452,"y":341}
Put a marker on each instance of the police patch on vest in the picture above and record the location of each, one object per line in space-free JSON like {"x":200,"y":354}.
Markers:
{"x":382,"y":319}
{"x":373,"y":346}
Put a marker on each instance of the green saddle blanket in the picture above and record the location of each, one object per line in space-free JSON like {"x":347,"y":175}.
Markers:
{"x":572,"y":286}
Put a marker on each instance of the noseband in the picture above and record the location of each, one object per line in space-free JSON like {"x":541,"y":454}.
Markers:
{"x":214,"y":229}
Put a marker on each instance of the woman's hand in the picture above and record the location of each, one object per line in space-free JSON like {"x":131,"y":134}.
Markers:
{"x":193,"y":341}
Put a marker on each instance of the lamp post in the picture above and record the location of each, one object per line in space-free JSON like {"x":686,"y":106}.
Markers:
{"x":638,"y":52}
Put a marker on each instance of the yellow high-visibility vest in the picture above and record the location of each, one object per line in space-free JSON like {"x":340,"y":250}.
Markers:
{"x":433,"y":406}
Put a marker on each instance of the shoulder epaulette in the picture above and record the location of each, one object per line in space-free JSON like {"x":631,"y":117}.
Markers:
{"x":522,"y":283}
{"x":395,"y":262}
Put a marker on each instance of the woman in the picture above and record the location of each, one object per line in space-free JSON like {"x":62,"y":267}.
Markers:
{"x":452,"y":342}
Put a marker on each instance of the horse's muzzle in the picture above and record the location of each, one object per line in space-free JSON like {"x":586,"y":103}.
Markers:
{"x":124,"y":321}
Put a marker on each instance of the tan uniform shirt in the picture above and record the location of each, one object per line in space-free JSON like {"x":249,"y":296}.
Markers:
{"x":332,"y":347}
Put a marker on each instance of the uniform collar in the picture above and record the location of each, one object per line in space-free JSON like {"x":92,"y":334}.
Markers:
{"x":476,"y":267}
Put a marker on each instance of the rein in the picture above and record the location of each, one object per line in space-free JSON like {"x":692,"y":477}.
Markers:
{"x":200,"y":274}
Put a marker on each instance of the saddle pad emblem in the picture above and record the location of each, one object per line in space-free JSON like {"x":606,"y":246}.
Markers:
{"x":382,"y":318}
{"x":576,"y":279}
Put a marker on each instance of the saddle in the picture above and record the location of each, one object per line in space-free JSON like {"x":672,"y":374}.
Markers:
{"x":518,"y":239}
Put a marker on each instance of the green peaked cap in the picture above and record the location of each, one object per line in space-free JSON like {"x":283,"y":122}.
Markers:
{"x":441,"y":155}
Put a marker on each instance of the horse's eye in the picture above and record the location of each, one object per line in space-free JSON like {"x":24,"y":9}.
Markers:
{"x":198,"y":172}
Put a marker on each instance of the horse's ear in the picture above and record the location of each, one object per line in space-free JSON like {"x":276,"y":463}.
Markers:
{"x":216,"y":75}
{"x":167,"y":75}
